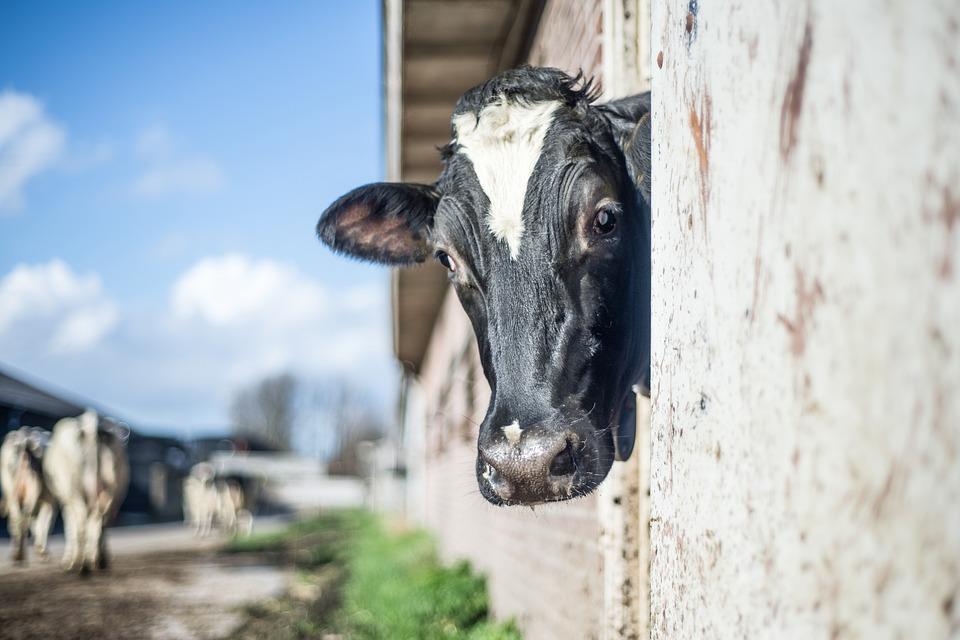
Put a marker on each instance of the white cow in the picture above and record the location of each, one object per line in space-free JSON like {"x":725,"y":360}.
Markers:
{"x":232,"y":513}
{"x":209,"y":500}
{"x":200,"y":499}
{"x":29,"y":504}
{"x":87,"y":471}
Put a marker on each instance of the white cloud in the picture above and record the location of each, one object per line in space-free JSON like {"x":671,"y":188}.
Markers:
{"x":83,"y":328}
{"x":363,"y":299}
{"x":29,"y":144}
{"x":87,"y":156}
{"x":54,"y":309}
{"x":235,"y":290}
{"x":169,"y":245}
{"x":225,"y":322}
{"x":186,"y":176}
{"x":170,"y":170}
{"x":245,"y":318}
{"x":155,"y":142}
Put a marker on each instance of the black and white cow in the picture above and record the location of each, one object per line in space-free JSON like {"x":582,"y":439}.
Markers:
{"x":541,"y":215}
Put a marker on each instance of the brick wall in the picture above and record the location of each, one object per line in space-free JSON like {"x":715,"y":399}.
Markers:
{"x":544,"y":566}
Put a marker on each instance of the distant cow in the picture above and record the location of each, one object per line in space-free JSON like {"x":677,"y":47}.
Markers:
{"x":232,"y":513}
{"x":29,"y":503}
{"x":87,"y":471}
{"x":209,"y":500}
{"x":200,"y":498}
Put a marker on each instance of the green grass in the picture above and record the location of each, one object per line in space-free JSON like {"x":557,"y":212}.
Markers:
{"x":258,"y":542}
{"x":370,"y":584}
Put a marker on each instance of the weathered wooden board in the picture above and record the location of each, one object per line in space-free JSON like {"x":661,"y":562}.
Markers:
{"x":806,"y":302}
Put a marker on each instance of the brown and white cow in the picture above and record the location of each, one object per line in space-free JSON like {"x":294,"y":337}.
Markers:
{"x":29,"y":503}
{"x":87,"y":471}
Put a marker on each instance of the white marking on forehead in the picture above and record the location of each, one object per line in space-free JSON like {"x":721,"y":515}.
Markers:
{"x":513,"y":431}
{"x":504,"y":144}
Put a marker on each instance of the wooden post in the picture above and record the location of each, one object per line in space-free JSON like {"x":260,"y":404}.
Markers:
{"x":623,"y":503}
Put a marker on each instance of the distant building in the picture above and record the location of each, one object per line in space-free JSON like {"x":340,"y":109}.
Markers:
{"x":158,"y":466}
{"x":23,"y":404}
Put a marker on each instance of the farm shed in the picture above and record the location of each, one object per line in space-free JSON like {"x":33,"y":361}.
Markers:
{"x":24,"y":404}
{"x":801,"y":445}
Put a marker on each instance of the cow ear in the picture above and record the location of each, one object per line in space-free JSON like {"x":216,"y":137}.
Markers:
{"x":630,"y":123}
{"x":385,"y":222}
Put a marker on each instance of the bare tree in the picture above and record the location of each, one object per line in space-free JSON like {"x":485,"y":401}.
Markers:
{"x":351,"y":419}
{"x":266,"y":411}
{"x":346,"y":458}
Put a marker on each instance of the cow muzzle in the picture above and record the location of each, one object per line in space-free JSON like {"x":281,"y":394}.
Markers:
{"x":535,"y":465}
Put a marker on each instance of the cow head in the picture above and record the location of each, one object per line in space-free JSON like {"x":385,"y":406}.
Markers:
{"x":541,"y":217}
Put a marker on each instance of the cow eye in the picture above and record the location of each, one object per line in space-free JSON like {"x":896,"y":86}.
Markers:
{"x":605,"y":219}
{"x":444,"y":258}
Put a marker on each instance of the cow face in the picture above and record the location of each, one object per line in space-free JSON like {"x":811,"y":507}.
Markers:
{"x":541,"y":217}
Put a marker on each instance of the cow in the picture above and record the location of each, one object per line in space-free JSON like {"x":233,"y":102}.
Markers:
{"x":210,"y":500}
{"x":232,"y":513}
{"x":87,"y":471}
{"x":200,"y":499}
{"x":541,"y":217}
{"x":29,"y":505}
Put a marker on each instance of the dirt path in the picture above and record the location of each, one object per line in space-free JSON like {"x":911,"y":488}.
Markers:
{"x":191,"y":592}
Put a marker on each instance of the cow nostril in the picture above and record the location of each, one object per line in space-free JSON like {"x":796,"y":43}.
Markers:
{"x":563,"y":464}
{"x":500,"y":485}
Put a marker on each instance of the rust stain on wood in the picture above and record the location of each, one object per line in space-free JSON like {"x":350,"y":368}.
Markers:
{"x":886,"y":489}
{"x":807,"y":299}
{"x":793,"y":98}
{"x":948,"y":215}
{"x":700,"y":128}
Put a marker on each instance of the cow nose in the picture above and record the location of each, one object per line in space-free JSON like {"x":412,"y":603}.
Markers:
{"x":531,"y":466}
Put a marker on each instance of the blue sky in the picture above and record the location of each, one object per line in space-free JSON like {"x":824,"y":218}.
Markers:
{"x":162,"y":166}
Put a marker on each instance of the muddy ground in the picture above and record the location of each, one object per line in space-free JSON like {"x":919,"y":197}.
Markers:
{"x":195,"y":593}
